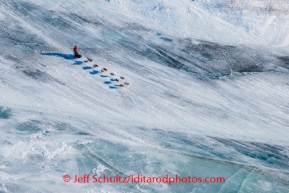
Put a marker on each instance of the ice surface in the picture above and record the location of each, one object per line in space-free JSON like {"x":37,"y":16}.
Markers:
{"x":208,"y":94}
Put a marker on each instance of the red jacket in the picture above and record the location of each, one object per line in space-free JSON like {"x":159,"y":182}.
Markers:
{"x":75,"y":49}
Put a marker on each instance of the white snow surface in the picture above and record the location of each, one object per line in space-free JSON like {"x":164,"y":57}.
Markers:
{"x":208,"y":94}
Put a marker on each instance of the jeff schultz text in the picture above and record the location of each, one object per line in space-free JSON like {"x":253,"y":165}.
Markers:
{"x":168,"y":179}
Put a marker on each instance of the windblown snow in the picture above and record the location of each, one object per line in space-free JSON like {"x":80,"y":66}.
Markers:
{"x":207,"y":96}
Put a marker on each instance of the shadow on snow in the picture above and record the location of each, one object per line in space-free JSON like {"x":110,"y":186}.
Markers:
{"x":94,"y":72}
{"x":65,"y":56}
{"x":87,"y":68}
